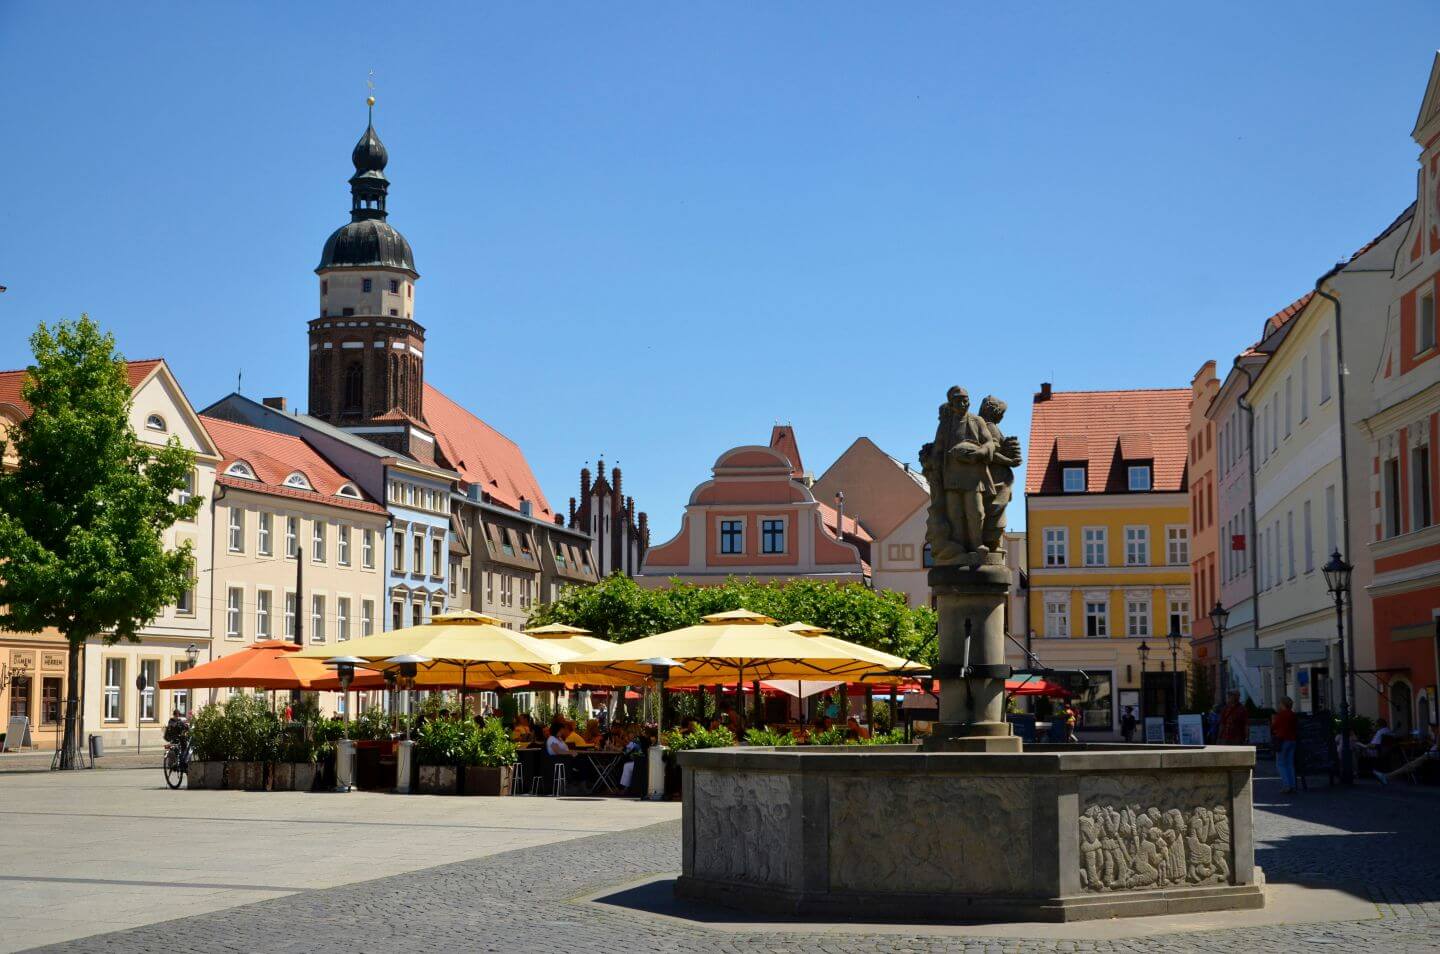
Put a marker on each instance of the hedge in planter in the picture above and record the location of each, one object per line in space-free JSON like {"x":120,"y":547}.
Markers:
{"x":490,"y":761}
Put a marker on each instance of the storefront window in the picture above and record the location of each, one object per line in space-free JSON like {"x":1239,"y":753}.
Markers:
{"x":50,"y":701}
{"x":20,"y":697}
{"x":1094,"y":702}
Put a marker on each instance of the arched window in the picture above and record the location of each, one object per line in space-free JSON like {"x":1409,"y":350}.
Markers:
{"x":353,"y":388}
{"x":155,"y":422}
{"x":240,"y":469}
{"x":347,"y":490}
{"x":299,"y":480}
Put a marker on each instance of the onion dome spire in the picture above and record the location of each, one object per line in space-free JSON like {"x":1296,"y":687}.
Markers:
{"x":369,"y":186}
{"x":367,"y":240}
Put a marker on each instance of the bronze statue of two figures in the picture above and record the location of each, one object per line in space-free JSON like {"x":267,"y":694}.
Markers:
{"x":970,"y":468}
{"x":971,"y":471}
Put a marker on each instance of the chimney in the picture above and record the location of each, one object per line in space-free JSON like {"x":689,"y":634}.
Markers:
{"x":840,"y":515}
{"x":1044,"y":394}
{"x":278,"y":403}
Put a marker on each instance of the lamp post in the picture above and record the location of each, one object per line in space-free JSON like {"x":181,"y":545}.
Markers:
{"x":192,"y":656}
{"x":1144,"y":651}
{"x":1337,"y":580}
{"x":1219,"y":616}
{"x":1174,"y":638}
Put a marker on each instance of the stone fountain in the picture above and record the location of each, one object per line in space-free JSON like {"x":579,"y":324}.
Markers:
{"x":970,"y":826}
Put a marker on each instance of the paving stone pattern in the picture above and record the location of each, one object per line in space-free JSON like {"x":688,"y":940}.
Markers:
{"x":1380,"y":841}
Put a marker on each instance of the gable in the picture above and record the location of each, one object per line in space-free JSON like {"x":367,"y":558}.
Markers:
{"x":158,"y":395}
{"x":879,"y":491}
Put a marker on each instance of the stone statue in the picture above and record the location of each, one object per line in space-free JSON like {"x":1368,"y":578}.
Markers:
{"x":970,"y":470}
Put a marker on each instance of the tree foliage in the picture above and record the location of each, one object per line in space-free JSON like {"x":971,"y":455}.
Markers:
{"x":620,"y":609}
{"x":83,"y":512}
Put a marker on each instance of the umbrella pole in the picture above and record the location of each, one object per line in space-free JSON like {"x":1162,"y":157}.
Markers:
{"x":757,"y":712}
{"x":740,"y":696}
{"x":870,"y":709}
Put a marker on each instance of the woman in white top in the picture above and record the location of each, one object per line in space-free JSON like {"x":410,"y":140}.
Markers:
{"x":555,"y":744}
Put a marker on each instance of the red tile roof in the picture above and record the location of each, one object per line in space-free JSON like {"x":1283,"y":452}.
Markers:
{"x":1283,"y":316}
{"x":273,"y":457}
{"x":11,"y":382}
{"x":484,"y":456}
{"x":852,"y":527}
{"x":1115,"y":425}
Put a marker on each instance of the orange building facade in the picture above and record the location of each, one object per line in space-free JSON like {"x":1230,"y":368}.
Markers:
{"x":757,"y":518}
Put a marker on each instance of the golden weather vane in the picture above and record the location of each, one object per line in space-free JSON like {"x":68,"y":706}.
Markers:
{"x":370,"y":84}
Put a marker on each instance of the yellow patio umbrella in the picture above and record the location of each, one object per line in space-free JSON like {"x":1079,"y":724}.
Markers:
{"x":461,"y":648}
{"x":569,"y":637}
{"x":890,"y":664}
{"x":731,"y":647}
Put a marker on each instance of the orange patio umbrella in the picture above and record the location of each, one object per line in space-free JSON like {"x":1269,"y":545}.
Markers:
{"x":271,"y":664}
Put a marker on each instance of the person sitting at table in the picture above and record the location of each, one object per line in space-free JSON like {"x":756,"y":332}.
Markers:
{"x":687,"y":725}
{"x":1432,"y":752}
{"x":555,"y":743}
{"x":572,"y":736}
{"x":854,"y":730}
{"x":524,"y":731}
{"x":592,"y":732}
{"x":1382,"y":732}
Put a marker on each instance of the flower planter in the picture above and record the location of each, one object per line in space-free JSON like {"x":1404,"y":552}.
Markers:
{"x":206,"y":774}
{"x":439,"y":779}
{"x":488,"y":780}
{"x":293,"y":776}
{"x":249,"y":776}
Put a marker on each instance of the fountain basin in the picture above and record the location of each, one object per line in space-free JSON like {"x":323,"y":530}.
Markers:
{"x":891,"y":833}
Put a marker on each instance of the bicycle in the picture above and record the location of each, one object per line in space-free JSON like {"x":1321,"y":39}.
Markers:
{"x":177,"y":763}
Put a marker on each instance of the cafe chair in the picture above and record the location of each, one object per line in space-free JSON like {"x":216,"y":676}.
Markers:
{"x":557,"y":782}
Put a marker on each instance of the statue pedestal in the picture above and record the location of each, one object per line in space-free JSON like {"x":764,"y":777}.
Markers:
{"x":970,"y":601}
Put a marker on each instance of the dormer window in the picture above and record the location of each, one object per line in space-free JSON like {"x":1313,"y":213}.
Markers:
{"x":240,"y":469}
{"x":155,"y":422}
{"x":298,"y":481}
{"x":1074,"y":480}
{"x":1139,"y":477}
{"x":348,"y":490}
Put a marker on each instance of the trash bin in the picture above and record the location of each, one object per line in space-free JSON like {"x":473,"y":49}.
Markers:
{"x":97,"y":746}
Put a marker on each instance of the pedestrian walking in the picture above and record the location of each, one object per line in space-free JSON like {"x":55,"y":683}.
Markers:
{"x":1285,"y":733}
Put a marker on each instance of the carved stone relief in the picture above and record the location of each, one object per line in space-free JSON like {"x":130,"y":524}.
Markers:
{"x":742,"y":826}
{"x":980,"y":841}
{"x":1144,"y":832}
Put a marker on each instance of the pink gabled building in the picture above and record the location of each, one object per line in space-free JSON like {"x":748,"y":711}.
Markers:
{"x":757,"y":518}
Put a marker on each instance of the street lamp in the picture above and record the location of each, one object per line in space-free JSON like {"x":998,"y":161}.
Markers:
{"x":1337,"y":580}
{"x":660,"y":667}
{"x":1219,"y":616}
{"x":1144,"y":651}
{"x":192,"y":655}
{"x":1174,"y":639}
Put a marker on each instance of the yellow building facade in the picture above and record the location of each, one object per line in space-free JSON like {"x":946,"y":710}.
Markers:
{"x":1108,"y":548}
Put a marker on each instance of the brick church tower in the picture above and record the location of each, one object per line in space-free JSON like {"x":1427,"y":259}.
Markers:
{"x":367,"y":352}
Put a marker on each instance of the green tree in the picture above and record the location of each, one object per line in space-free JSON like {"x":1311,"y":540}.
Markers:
{"x":83,"y":511}
{"x":619,"y":609}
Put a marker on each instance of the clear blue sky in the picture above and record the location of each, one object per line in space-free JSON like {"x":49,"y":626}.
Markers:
{"x":654,"y":230}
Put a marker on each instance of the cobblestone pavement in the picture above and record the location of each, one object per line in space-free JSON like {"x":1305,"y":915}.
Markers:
{"x":1379,"y":841}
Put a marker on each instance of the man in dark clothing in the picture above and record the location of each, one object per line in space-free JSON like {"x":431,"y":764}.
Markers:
{"x":1127,"y":724}
{"x":1234,"y":722}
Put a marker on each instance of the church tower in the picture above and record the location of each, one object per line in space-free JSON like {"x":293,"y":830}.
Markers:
{"x":367,"y":353}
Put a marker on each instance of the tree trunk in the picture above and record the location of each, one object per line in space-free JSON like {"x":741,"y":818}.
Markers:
{"x":70,"y":746}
